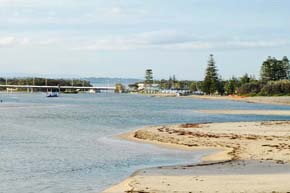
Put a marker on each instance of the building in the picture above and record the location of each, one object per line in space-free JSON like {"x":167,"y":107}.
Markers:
{"x":151,"y":89}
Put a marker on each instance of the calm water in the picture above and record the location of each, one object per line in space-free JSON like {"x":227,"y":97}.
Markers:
{"x":65,"y":144}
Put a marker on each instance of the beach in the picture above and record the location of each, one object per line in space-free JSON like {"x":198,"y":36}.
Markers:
{"x":247,"y":157}
{"x":274,"y":100}
{"x":285,"y":113}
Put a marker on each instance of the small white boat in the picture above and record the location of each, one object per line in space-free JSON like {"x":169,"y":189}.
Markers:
{"x":52,"y":94}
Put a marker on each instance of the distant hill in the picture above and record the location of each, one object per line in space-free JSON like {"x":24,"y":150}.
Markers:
{"x":102,"y":81}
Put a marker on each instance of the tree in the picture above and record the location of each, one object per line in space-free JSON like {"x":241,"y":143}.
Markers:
{"x":119,"y":88}
{"x":193,"y":86}
{"x":245,"y":79}
{"x":211,"y":81}
{"x":221,"y":86}
{"x":170,"y":83}
{"x":232,"y":85}
{"x":251,"y":88}
{"x":173,"y":85}
{"x":286,"y":65}
{"x":281,"y":87}
{"x":273,"y":69}
{"x":148,"y":77}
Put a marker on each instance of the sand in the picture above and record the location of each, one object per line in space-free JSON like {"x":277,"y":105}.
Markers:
{"x":279,"y":100}
{"x":274,"y":100}
{"x":208,"y":184}
{"x":253,"y":157}
{"x":249,"y":112}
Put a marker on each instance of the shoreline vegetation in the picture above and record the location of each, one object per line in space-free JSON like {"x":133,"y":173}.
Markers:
{"x":274,"y":80}
{"x":251,"y":157}
{"x":36,"y":82}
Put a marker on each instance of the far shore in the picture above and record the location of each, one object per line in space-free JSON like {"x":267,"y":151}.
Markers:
{"x":250,"y":157}
{"x":274,"y":100}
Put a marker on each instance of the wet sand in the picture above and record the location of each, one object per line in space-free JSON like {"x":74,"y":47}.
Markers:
{"x":253,"y":157}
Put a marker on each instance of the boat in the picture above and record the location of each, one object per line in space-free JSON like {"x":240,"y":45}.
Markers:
{"x":52,"y":94}
{"x":71,"y":91}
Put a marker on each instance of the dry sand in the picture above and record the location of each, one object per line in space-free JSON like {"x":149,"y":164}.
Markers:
{"x":249,"y":112}
{"x":274,"y":100}
{"x":255,"y":158}
{"x":279,"y":100}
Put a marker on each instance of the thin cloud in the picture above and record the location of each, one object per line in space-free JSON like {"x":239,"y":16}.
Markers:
{"x":7,"y":41}
{"x":172,"y":40}
{"x":162,"y":40}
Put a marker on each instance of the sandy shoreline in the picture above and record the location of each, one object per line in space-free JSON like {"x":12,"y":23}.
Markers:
{"x":279,"y":100}
{"x":274,"y":100}
{"x":255,"y":158}
{"x":249,"y":112}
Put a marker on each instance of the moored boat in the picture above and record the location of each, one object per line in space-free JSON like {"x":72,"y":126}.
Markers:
{"x":52,"y":94}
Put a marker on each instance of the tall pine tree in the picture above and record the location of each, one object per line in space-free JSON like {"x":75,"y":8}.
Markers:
{"x":148,"y":77}
{"x":211,"y":80}
{"x":286,"y":66}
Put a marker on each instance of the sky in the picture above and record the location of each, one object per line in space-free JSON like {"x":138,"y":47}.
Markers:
{"x":123,"y":38}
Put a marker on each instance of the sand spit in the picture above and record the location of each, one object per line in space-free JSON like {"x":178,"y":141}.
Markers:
{"x":255,"y":157}
{"x":249,"y":112}
{"x":279,"y":100}
{"x":274,"y":100}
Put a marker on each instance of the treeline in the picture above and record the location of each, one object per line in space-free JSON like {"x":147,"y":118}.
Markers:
{"x":173,"y":83}
{"x":274,"y":80}
{"x":44,"y":82}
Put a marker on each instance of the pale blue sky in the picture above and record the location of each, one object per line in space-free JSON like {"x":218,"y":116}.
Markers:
{"x":121,"y":38}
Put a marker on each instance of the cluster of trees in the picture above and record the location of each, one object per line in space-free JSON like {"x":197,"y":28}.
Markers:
{"x":270,"y":88}
{"x":273,"y":69}
{"x":274,"y":80}
{"x":44,"y":82}
{"x":173,"y":83}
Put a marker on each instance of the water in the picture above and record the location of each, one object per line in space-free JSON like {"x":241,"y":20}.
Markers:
{"x":65,"y":144}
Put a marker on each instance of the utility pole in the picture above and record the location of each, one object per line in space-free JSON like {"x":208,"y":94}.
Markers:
{"x":83,"y":86}
{"x":33,"y":84}
{"x":107,"y":86}
{"x":46,"y":84}
{"x":6,"y":84}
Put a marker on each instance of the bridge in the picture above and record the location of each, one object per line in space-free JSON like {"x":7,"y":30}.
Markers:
{"x":30,"y":88}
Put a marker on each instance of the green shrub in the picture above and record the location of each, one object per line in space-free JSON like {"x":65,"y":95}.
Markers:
{"x":250,"y":89}
{"x":276,"y":88}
